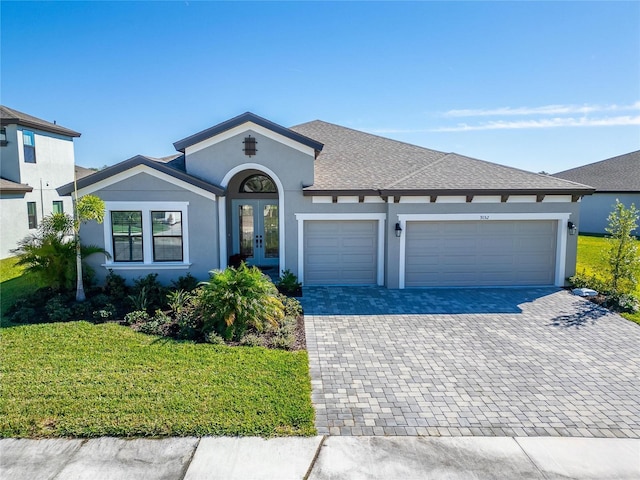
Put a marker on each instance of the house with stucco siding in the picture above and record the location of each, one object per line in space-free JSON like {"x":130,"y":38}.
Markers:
{"x":37,"y":156}
{"x":616,"y":178}
{"x":334,"y":205}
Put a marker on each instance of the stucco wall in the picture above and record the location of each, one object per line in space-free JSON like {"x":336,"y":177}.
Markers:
{"x":202,"y":225}
{"x":54,"y":167}
{"x":393,"y":243}
{"x":595,"y":210}
{"x":13,"y":211}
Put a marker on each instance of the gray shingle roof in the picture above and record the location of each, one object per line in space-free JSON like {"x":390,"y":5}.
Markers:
{"x":352,"y":160}
{"x":9,"y":116}
{"x":616,"y":174}
{"x":9,"y":186}
{"x":181,"y":145}
{"x":164,"y":167}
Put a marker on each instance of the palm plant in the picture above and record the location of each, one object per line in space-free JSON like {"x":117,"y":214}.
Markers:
{"x":50,"y":254}
{"x":237,"y":299}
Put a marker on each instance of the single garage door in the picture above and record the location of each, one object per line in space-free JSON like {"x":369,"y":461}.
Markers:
{"x":469,"y":253}
{"x":340,"y":252}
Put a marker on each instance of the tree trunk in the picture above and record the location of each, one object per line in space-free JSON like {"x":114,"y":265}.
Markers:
{"x":80,"y":297}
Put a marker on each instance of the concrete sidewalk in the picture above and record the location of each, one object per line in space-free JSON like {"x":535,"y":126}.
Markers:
{"x":321,"y":458}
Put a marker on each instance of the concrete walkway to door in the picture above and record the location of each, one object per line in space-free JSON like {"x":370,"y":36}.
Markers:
{"x":450,"y":362}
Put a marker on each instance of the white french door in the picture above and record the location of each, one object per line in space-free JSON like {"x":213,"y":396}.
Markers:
{"x":255,"y":228}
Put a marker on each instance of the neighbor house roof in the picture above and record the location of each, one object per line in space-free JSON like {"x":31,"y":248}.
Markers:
{"x":181,"y":145}
{"x":353,"y":161}
{"x":616,"y":174}
{"x":134,"y":162}
{"x":13,"y":187}
{"x":9,"y":116}
{"x":82,"y":172}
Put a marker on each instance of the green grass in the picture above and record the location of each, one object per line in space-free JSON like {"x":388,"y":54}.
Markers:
{"x":591,"y":261}
{"x":13,"y":283}
{"x":83,"y":380}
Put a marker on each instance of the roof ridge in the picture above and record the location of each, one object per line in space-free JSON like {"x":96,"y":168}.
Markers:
{"x":416,"y":172}
{"x":593,"y":164}
{"x":370,"y":134}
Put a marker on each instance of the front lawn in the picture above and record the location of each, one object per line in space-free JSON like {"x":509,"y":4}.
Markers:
{"x":13,"y":284}
{"x":591,"y":261}
{"x":84,"y":380}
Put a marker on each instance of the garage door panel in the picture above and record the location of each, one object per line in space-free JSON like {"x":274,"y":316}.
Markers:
{"x":340,"y":252}
{"x":480,"y":253}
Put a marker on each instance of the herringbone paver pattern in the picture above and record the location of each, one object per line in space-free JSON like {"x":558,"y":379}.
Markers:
{"x":503,"y":362}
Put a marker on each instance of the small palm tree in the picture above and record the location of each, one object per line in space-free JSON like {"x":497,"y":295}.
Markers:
{"x":50,"y":253}
{"x":86,"y":208}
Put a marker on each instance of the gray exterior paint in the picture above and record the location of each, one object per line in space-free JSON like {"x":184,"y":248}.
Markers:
{"x":595,"y":210}
{"x":202,"y":225}
{"x":223,"y":165}
{"x":54,"y":166}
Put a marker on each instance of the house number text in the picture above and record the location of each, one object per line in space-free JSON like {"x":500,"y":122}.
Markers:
{"x":484,"y":217}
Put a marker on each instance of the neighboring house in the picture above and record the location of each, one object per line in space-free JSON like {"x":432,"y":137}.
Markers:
{"x":334,"y":206}
{"x":37,"y":157}
{"x":614,"y":178}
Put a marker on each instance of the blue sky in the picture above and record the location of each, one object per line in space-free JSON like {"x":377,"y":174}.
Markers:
{"x":534,"y":85}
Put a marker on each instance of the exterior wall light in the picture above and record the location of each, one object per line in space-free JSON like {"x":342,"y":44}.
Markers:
{"x":398,"y":230}
{"x":3,"y":137}
{"x":572,"y":228}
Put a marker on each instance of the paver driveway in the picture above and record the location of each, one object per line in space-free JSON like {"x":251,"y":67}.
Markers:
{"x":513,"y":362}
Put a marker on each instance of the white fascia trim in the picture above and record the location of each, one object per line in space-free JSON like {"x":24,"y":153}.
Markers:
{"x":222,"y":225}
{"x":222,"y":231}
{"x":561,"y":236}
{"x":149,"y":171}
{"x":440,"y":217}
{"x":240,"y":129}
{"x":147,"y":238}
{"x":379,"y":217}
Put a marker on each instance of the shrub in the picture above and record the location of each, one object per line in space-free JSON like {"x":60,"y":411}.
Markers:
{"x":292,"y":307}
{"x":159,"y":324}
{"x":137,"y":316}
{"x":139,"y":301}
{"x":288,"y":284}
{"x":187,"y":283}
{"x":154,"y":292}
{"x":58,"y":309}
{"x":236,"y":299}
{"x":582,"y":280}
{"x":115,"y":286}
{"x":50,"y":254}
{"x":625,"y":303}
{"x":214,"y":339}
{"x":107,"y":312}
{"x":251,"y":340}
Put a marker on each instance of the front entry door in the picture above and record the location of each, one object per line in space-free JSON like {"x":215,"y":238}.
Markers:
{"x":255,"y":231}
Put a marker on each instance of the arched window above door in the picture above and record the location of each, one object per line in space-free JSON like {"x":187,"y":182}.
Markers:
{"x":258,"y":183}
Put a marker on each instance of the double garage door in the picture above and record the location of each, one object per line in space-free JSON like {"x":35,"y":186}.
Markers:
{"x":442,"y":253}
{"x":480,"y":253}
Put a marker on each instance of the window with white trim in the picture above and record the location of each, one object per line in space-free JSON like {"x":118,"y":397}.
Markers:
{"x":167,"y":236}
{"x":145,"y":233}
{"x":29,"y":142}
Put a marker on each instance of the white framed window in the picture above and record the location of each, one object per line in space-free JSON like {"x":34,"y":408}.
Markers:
{"x":29,"y":144}
{"x":140,"y":234}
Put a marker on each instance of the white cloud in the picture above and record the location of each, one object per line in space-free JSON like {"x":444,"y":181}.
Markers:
{"x":545,"y":123}
{"x":542,"y":110}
